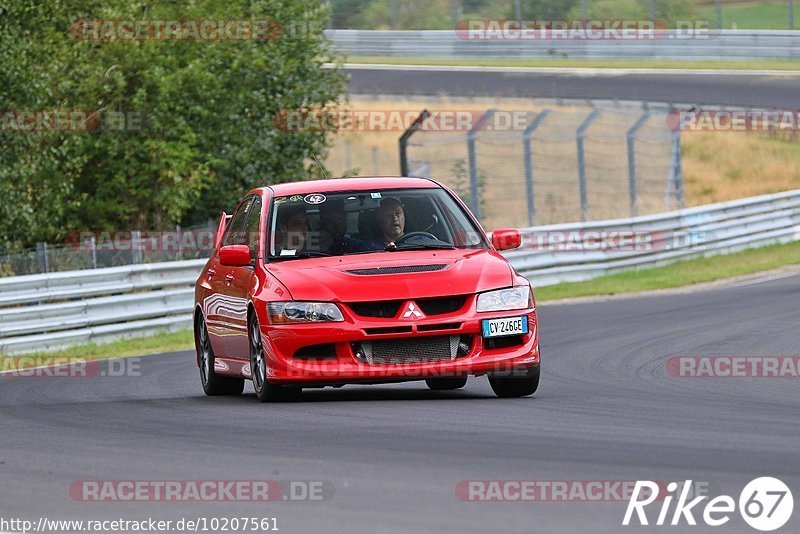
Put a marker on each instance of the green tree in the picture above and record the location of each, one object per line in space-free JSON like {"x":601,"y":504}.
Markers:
{"x":344,"y":13}
{"x":206,"y":108}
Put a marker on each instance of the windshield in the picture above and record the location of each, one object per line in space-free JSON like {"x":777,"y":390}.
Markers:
{"x":361,"y":222}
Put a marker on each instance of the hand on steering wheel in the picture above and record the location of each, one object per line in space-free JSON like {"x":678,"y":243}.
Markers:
{"x":403,"y":238}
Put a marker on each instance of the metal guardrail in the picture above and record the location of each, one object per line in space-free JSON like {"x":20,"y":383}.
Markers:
{"x":44,"y":312}
{"x":50,"y":311}
{"x":448,"y":44}
{"x":589,"y":249}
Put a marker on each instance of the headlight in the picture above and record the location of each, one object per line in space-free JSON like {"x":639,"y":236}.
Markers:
{"x":513,"y":298}
{"x":303,"y":312}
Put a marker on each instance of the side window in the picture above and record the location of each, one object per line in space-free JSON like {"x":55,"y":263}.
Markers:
{"x":235,"y":234}
{"x":253,"y":222}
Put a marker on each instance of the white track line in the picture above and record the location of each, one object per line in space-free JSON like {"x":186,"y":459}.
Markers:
{"x":569,"y":71}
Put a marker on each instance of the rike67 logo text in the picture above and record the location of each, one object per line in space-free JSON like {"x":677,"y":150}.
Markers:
{"x":765,"y":504}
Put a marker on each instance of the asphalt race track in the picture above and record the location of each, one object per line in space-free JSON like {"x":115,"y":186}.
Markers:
{"x":607,"y":410}
{"x":724,"y":89}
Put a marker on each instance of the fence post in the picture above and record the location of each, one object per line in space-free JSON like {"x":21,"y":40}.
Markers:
{"x":675,"y":178}
{"x":632,"y":182}
{"x":94,"y":251}
{"x":527,"y":138}
{"x":404,"y":140}
{"x":679,"y":171}
{"x":375,"y":165}
{"x":136,"y":247}
{"x":348,"y":156}
{"x":180,"y":241}
{"x":582,"y":161}
{"x":474,"y":182}
{"x":41,"y":257}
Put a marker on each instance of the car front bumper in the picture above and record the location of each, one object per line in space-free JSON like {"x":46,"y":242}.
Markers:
{"x":346,"y":365}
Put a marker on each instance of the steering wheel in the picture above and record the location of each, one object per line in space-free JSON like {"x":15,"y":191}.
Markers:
{"x":405,"y":237}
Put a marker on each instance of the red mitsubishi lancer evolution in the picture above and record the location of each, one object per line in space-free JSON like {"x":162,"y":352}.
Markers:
{"x":361,"y":281}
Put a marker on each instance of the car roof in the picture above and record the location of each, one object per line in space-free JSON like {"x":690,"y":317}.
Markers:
{"x":366,"y":183}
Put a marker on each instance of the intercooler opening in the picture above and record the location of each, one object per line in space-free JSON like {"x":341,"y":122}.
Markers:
{"x":412,"y":350}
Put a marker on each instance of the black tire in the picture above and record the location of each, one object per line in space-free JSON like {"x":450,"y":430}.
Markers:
{"x":516,"y":386}
{"x":446,"y":384}
{"x":265,"y":391}
{"x":212,"y":383}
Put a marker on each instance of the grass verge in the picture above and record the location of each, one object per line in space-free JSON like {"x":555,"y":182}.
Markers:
{"x":680,"y":274}
{"x":777,"y":64}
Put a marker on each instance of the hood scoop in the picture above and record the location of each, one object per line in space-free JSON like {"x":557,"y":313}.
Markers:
{"x":400,"y":269}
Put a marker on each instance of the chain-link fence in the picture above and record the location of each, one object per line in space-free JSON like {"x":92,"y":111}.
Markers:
{"x":558,"y":165}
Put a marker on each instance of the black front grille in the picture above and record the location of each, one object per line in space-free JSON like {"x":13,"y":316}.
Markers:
{"x":383,"y":309}
{"x":324,"y":351}
{"x":402,"y":269}
{"x":388,"y":330}
{"x":389,"y":308}
{"x":439,"y":306}
{"x":412,"y":350}
{"x":438,"y":326}
{"x":503,"y":342}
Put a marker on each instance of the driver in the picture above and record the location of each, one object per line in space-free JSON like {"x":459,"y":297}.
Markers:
{"x":391,"y":219}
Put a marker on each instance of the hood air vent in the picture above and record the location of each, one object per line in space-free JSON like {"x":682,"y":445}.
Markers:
{"x":402,"y":269}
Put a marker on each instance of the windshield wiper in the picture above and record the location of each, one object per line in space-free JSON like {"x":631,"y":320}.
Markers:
{"x":392,"y":247}
{"x":306,"y":254}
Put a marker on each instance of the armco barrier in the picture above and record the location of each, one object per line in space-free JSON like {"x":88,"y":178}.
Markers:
{"x":447,"y":44}
{"x":51,"y":311}
{"x":692,"y":232}
{"x":45,"y":312}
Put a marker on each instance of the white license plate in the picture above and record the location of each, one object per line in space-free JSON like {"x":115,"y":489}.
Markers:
{"x":507,"y":326}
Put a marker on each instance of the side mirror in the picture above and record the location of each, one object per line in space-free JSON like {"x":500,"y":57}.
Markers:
{"x":234,"y":255}
{"x":506,"y":239}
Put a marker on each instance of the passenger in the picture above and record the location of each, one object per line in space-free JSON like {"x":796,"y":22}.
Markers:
{"x":292,"y":226}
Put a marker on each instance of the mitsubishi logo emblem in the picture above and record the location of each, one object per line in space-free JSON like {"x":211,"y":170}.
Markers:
{"x":412,"y":312}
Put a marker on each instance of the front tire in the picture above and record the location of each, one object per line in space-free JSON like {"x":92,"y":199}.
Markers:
{"x":446,"y":384}
{"x":516,"y":386}
{"x":265,"y":391}
{"x":213,"y":384}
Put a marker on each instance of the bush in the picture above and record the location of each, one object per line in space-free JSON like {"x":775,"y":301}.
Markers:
{"x":206,"y":108}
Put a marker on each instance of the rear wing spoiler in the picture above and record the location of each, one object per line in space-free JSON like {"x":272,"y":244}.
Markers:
{"x":221,"y":227}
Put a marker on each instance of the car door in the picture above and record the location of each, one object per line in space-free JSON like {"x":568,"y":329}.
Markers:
{"x":240,"y":280}
{"x":226,"y":309}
